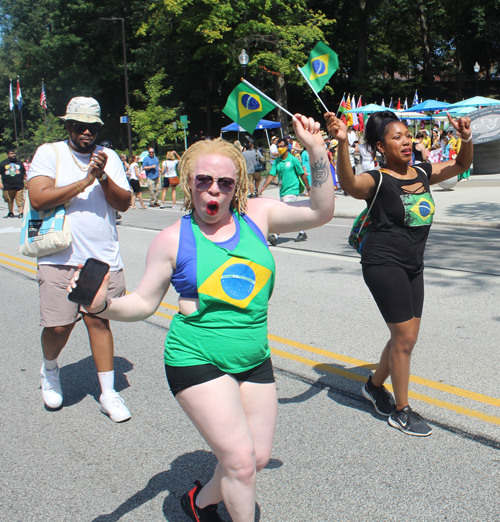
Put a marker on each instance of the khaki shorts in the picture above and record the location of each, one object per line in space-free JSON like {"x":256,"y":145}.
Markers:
{"x":14,"y":195}
{"x":55,"y":307}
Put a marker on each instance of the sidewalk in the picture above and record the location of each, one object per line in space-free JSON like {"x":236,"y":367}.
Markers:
{"x":472,"y":203}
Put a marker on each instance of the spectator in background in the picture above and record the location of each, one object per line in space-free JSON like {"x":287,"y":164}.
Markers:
{"x":253,"y":159}
{"x":13,"y":175}
{"x":150,"y":165}
{"x":170,"y":178}
{"x":419,"y":149}
{"x":135,"y":185}
{"x":273,"y":151}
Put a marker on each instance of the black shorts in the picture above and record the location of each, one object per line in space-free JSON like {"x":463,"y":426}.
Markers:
{"x":135,"y":186}
{"x":181,"y":377}
{"x":399,"y":295}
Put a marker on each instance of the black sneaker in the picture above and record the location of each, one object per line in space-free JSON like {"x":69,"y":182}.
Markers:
{"x":409,"y":422}
{"x":301,"y":237}
{"x":379,"y":396}
{"x":188,"y":504}
{"x":9,"y":215}
{"x":273,"y":239}
{"x":21,"y":215}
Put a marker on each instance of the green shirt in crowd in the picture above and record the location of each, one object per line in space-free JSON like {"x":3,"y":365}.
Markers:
{"x":288,"y":171}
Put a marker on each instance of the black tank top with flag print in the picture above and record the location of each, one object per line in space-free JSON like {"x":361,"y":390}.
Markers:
{"x":402,"y":215}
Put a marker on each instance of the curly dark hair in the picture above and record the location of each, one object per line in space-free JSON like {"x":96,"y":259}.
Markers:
{"x":376,"y":128}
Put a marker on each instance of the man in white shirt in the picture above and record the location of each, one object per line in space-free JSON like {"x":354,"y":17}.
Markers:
{"x":273,"y":151}
{"x":92,"y":184}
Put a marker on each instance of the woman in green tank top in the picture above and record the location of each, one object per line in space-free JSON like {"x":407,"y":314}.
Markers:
{"x":217,"y":355}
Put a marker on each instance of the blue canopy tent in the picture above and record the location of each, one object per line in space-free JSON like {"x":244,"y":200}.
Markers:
{"x":263,"y":125}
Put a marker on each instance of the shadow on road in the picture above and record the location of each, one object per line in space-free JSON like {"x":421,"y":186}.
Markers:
{"x":338,"y":391}
{"x":176,"y":481}
{"x":80,"y":379}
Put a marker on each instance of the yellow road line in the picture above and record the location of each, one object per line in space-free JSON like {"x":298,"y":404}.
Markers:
{"x":19,"y":259}
{"x":452,"y":390}
{"x":8,"y":263}
{"x":419,"y":396}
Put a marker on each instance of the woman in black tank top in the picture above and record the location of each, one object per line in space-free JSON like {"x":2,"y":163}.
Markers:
{"x":392,"y":256}
{"x":418,"y":148}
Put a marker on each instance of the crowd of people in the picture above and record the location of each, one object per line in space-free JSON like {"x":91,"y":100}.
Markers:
{"x":216,"y":355}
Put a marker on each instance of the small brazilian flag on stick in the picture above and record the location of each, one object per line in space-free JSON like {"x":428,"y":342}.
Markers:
{"x":247,"y":107}
{"x":322,"y":64}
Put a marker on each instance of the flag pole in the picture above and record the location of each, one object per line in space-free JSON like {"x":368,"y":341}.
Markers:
{"x":313,"y":89}
{"x":266,"y":97}
{"x":14,"y":116}
{"x":22,"y":124}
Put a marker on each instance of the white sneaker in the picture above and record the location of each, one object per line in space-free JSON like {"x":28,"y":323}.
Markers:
{"x":174,"y":207}
{"x":114,"y":406}
{"x":51,"y":388}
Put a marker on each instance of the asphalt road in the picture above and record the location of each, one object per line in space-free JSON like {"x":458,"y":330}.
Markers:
{"x":333,"y":458}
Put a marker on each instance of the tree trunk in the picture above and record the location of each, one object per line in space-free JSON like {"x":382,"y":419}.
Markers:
{"x":281,"y":98}
{"x":428,"y":69}
{"x":362,"y":40}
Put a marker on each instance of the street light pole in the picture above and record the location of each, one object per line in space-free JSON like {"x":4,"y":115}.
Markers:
{"x":244,"y":59}
{"x":129,"y":129}
{"x":476,"y":70}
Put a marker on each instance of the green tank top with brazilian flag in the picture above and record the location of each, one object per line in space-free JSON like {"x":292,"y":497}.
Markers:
{"x":234,"y":286}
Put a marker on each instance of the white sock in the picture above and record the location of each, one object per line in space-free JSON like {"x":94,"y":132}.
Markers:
{"x":107,"y":381}
{"x":50,"y":366}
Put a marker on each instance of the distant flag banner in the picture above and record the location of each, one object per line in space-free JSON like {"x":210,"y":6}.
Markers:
{"x":322,"y":64}
{"x":11,"y":98}
{"x":405,"y":106}
{"x":355,"y":121}
{"x":342,"y":109}
{"x":398,"y":106}
{"x":348,"y":108}
{"x":415,"y":99}
{"x":43,"y":98}
{"x":246,"y":107}
{"x":19,"y":97}
{"x":391,"y":105}
{"x":361,"y":119}
{"x":383,"y":103}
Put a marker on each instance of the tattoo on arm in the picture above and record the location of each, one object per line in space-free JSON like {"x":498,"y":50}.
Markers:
{"x":319,"y":172}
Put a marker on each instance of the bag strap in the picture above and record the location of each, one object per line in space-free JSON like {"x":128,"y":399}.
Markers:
{"x":58,"y":162}
{"x":373,"y":201}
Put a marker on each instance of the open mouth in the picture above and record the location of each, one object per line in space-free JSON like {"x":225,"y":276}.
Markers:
{"x":212,"y":208}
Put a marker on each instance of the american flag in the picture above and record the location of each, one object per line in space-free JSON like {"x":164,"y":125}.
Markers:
{"x":43,"y":98}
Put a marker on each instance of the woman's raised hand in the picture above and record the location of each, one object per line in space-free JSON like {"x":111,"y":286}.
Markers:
{"x":462,"y":126}
{"x":335,"y":126}
{"x":307,"y":131}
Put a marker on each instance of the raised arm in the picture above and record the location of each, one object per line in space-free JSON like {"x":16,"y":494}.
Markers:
{"x":448,"y":169}
{"x":277,"y":217}
{"x":146,"y":298}
{"x":359,"y":187}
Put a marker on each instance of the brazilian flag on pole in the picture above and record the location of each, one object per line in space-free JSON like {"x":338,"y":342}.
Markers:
{"x":322,"y":64}
{"x":246,"y":107}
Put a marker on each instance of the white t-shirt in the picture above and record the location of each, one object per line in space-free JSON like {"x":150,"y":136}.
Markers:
{"x":274,"y":153}
{"x":91,"y":218}
{"x":131,"y":170}
{"x":367,"y":159}
{"x":169,"y":168}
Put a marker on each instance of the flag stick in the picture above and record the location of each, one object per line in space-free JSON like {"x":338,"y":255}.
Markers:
{"x":313,"y":89}
{"x":22,"y":130}
{"x":270,"y":100}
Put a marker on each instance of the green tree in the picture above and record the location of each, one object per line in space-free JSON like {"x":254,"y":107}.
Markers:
{"x":154,"y":124}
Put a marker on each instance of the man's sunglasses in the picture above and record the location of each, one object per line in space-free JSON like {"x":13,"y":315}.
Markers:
{"x":80,"y":127}
{"x":204,"y":182}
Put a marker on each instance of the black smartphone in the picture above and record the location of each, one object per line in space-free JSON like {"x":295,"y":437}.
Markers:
{"x":89,"y":282}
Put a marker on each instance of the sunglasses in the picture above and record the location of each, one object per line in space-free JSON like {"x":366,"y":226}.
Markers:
{"x":204,"y":182}
{"x":80,"y":128}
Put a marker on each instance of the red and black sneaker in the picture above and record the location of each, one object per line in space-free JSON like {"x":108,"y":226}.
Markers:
{"x":188,"y":504}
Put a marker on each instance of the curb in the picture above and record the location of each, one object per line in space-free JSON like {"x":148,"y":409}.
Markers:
{"x":458,"y":223}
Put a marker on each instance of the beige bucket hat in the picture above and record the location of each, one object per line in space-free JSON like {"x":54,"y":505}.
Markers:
{"x":86,"y":110}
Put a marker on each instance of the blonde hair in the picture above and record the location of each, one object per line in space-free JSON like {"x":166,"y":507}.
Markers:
{"x":170,"y":155}
{"x":207,"y":148}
